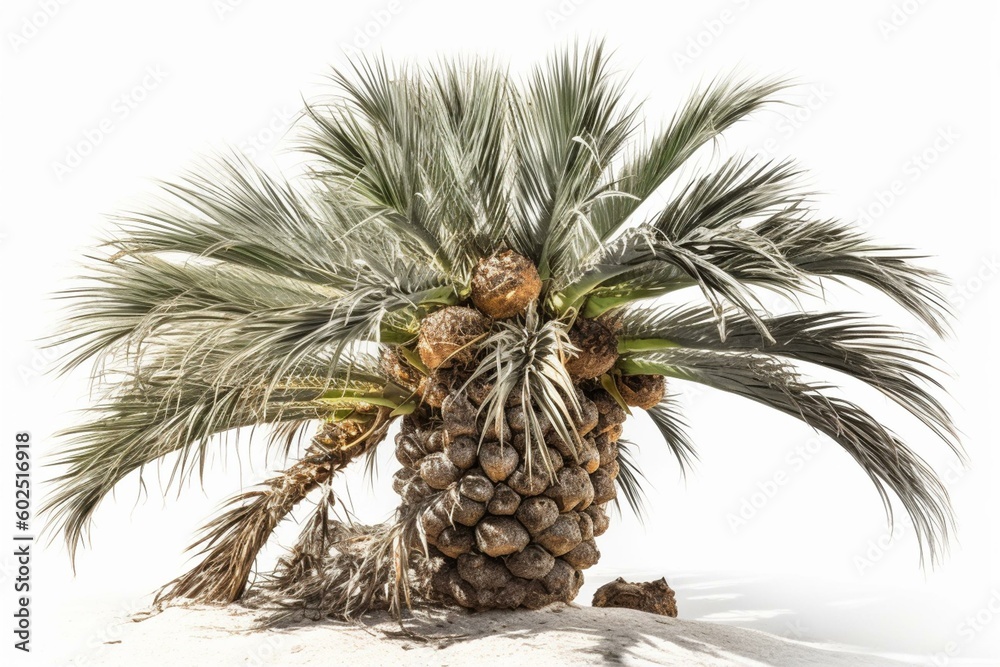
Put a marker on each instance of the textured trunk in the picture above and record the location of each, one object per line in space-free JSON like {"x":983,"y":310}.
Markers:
{"x":502,"y":534}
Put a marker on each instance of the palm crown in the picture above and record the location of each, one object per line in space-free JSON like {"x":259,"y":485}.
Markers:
{"x":463,"y":238}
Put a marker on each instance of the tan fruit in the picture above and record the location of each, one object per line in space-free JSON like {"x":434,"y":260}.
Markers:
{"x":448,"y":336}
{"x":504,"y":284}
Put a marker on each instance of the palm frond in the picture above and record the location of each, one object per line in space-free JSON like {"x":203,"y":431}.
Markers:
{"x":833,"y":249}
{"x":673,"y":428}
{"x":734,"y":194}
{"x":171,"y":410}
{"x":230,"y":542}
{"x":899,"y":366}
{"x":630,"y":480}
{"x":568,"y":126}
{"x":526,"y":359}
{"x":889,"y":462}
{"x":364,"y":568}
{"x":423,"y":152}
{"x":707,"y":113}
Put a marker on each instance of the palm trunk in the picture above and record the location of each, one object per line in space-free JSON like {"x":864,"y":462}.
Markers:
{"x":503,"y":534}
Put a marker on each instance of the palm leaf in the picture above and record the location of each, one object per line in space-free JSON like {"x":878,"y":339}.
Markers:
{"x":889,"y":463}
{"x":899,"y":366}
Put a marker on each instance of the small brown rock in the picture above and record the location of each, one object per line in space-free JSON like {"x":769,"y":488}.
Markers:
{"x":654,"y":597}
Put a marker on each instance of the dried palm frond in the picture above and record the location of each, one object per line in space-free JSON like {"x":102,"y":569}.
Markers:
{"x":231,"y":542}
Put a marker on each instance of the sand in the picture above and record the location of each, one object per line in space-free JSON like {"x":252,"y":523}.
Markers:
{"x":558,"y":635}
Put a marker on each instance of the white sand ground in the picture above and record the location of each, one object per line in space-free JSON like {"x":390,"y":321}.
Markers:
{"x":558,"y":635}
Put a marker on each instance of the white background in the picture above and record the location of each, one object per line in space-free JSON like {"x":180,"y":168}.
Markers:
{"x":100,"y":98}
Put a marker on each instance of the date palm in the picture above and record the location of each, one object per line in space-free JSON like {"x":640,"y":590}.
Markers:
{"x":478,"y":258}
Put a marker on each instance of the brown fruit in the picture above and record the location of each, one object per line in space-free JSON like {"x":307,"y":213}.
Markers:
{"x":642,"y":391}
{"x":447,"y":336}
{"x":598,"y":349}
{"x":504,"y":284}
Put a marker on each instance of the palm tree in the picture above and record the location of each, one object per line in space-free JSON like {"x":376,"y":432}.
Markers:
{"x":474,"y":257}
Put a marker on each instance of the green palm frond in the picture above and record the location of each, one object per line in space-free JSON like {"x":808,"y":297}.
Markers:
{"x":888,"y":461}
{"x":836,"y":250}
{"x":898,"y":365}
{"x":673,"y":429}
{"x":173,"y":411}
{"x":569,"y":124}
{"x":707,"y":113}
{"x":525,"y":362}
{"x":630,"y":479}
